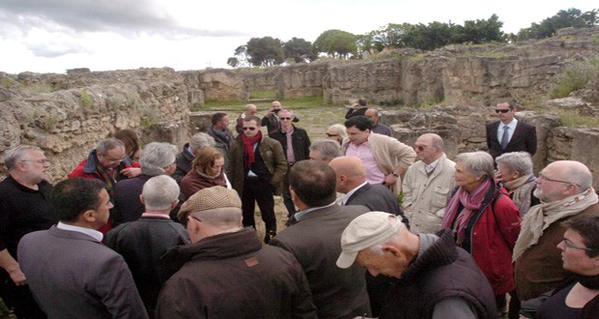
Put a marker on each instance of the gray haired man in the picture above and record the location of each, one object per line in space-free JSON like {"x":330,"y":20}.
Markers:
{"x":156,"y":159}
{"x":435,"y":279}
{"x":144,"y":241}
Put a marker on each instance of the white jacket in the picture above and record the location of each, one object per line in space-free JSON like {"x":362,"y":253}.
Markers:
{"x":425,"y":197}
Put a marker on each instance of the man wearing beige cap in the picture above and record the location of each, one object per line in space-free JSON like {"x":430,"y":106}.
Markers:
{"x":226,"y":272}
{"x":436,"y":279}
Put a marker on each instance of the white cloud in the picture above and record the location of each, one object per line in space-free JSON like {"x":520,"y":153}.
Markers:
{"x":55,"y":35}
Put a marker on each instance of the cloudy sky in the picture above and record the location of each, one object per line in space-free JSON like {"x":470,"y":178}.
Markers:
{"x":56,"y":35}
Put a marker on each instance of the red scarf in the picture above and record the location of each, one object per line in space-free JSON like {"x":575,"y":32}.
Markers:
{"x":471,"y":203}
{"x":248,"y":148}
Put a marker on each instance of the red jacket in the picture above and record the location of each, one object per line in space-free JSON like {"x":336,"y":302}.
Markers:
{"x":88,"y":169}
{"x":491,"y":236}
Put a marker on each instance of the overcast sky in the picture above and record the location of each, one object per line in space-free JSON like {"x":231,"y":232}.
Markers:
{"x":56,"y":35}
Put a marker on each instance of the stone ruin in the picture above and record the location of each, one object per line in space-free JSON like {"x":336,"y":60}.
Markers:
{"x":66,"y":114}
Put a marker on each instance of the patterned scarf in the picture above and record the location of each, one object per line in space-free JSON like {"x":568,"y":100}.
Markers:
{"x":471,"y":202}
{"x":248,"y":148}
{"x":541,"y":216}
{"x":520,"y":191}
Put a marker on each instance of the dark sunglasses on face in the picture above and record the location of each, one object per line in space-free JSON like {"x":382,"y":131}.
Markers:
{"x":502,"y":111}
{"x":249,"y":128}
{"x":285,"y":118}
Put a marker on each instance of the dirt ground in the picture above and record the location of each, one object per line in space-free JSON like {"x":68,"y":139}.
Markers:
{"x":315,"y":121}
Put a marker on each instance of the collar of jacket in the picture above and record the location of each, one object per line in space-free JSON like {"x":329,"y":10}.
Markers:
{"x":223,"y":246}
{"x":442,"y":252}
{"x":92,"y":163}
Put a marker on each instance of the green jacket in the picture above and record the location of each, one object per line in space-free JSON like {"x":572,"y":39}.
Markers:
{"x":271,"y":152}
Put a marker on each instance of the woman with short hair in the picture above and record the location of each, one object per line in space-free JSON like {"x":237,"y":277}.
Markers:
{"x":207,"y":171}
{"x":514,"y":172}
{"x":484,"y":220}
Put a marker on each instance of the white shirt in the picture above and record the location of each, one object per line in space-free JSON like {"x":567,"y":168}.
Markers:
{"x":429,"y":168}
{"x":348,"y":195}
{"x":87,"y":231}
{"x":511,"y":125}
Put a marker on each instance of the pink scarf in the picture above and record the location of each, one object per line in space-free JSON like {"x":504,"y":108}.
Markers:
{"x":471,"y":202}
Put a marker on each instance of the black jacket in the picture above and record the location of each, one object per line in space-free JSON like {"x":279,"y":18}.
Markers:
{"x":142,"y":243}
{"x":299,"y":140}
{"x":183,"y":160}
{"x":233,"y":275}
{"x":443,"y":271}
{"x":524,"y":139}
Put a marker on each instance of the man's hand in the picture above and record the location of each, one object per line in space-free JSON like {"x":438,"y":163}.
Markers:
{"x":17,"y":276}
{"x":131,"y":172}
{"x":390,"y":180}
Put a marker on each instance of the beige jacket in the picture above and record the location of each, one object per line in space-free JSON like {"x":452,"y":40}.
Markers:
{"x":425,"y":197}
{"x":389,"y":154}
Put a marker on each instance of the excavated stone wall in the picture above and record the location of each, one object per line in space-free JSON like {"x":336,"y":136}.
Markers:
{"x":67,"y":114}
{"x":456,"y":74}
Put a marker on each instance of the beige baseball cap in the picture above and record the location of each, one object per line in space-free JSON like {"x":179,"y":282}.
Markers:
{"x":366,"y":231}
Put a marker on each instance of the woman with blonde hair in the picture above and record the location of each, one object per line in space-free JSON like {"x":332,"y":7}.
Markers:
{"x":336,"y":132}
{"x":207,"y":171}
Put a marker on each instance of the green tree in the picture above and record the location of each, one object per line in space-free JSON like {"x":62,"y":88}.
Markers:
{"x":299,"y":50}
{"x":233,"y":62}
{"x":336,"y":43}
{"x":265,"y":51}
{"x":563,"y":19}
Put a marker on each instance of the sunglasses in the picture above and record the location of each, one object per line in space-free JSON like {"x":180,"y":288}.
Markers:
{"x":249,"y":128}
{"x":286,"y":119}
{"x":502,"y":110}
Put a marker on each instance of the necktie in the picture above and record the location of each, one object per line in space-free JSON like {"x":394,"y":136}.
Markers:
{"x":504,"y":137}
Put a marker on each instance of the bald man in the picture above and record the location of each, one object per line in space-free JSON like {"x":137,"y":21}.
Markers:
{"x":351,"y":181}
{"x":428,"y":184}
{"x":375,"y":116}
{"x":565,"y":190}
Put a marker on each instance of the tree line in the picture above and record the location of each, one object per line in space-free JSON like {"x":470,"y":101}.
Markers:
{"x":269,"y":51}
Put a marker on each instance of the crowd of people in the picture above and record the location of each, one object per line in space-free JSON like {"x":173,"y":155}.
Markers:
{"x":375,"y":227}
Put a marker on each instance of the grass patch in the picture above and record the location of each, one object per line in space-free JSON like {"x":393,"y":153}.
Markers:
{"x":570,"y":118}
{"x":86,"y":99}
{"x":595,"y":39}
{"x":307,"y":102}
{"x":263,"y":94}
{"x":8,"y":83}
{"x":575,"y":77}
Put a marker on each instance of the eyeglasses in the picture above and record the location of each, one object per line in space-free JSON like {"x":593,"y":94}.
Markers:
{"x":421,"y":147}
{"x":41,"y":161}
{"x":543,"y":177}
{"x":502,"y":110}
{"x":569,"y":244}
{"x":249,"y":128}
{"x":286,"y":118}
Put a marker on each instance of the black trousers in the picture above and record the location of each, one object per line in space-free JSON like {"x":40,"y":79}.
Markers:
{"x":19,"y":298}
{"x":287,"y":196}
{"x":261,"y":191}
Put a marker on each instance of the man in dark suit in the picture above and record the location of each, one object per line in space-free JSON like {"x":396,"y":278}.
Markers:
{"x":70,"y":273}
{"x":510,"y":135}
{"x":314,"y":240}
{"x":351,"y":181}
